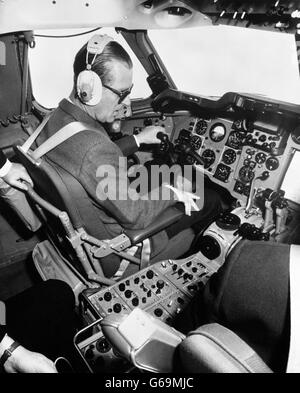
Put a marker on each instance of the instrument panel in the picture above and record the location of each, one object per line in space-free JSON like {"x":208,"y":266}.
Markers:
{"x":236,"y":152}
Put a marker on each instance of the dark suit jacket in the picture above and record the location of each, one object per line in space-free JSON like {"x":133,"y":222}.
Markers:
{"x":250,"y":295}
{"x":81,"y":156}
{"x":2,"y":159}
{"x":2,"y":332}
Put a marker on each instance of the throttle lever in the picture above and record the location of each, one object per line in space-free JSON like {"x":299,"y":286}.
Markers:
{"x":165,"y":143}
{"x":188,"y":149}
{"x":162,"y":136}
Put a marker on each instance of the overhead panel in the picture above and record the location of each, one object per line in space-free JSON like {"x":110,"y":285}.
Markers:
{"x":275,"y":15}
{"x":20,"y":15}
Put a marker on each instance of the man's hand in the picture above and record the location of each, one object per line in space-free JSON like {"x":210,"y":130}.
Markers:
{"x":183,"y":193}
{"x":16,"y":175}
{"x":186,"y":198}
{"x":24,"y":361}
{"x":149,"y":135}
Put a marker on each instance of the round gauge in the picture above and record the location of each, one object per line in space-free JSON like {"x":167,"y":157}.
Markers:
{"x":210,"y":247}
{"x":296,"y":135}
{"x":260,"y":158}
{"x":228,"y":221}
{"x":272,"y":163}
{"x":201,"y":127}
{"x":217,"y":132}
{"x":229,"y":156}
{"x":238,"y":124}
{"x":246,"y":174}
{"x":242,"y":125}
{"x":235,"y":140}
{"x":208,"y":157}
{"x":196,"y":142}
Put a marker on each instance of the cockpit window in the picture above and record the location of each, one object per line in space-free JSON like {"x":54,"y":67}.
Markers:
{"x":214,"y":60}
{"x":51,"y":65}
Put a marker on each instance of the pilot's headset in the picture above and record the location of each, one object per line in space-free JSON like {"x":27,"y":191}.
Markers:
{"x":89,"y":85}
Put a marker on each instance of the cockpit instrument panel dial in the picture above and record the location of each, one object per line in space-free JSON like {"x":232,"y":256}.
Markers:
{"x":272,"y":163}
{"x":201,"y":127}
{"x":209,"y":158}
{"x":246,"y":174}
{"x":229,"y":156}
{"x":296,"y":135}
{"x":235,"y":140}
{"x":217,"y":132}
{"x":196,"y":142}
{"x":260,"y":158}
{"x":242,"y":125}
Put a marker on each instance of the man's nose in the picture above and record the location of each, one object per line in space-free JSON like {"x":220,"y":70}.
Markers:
{"x":128,"y":112}
{"x":127,"y":101}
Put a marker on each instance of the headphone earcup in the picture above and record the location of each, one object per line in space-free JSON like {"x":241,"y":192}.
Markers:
{"x":89,"y":87}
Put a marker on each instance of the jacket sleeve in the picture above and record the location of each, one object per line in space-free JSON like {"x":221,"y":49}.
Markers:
{"x":2,"y":159}
{"x":127,"y":145}
{"x":104,"y":175}
{"x":2,"y":332}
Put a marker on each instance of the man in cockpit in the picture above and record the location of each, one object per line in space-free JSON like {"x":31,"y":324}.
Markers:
{"x":102,"y":85}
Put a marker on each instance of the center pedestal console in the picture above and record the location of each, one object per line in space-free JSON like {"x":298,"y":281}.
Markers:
{"x":163,"y":289}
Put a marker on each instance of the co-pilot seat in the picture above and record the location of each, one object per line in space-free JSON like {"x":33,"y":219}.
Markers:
{"x":73,"y":221}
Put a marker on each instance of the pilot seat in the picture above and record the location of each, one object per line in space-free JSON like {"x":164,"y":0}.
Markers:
{"x":79,"y":238}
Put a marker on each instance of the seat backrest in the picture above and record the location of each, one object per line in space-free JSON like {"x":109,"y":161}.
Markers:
{"x":66,"y":193}
{"x":152,"y":345}
{"x":57,"y":187}
{"x":212,"y":348}
{"x":62,"y":190}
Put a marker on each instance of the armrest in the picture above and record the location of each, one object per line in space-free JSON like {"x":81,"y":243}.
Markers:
{"x":168,"y":217}
{"x":212,"y":348}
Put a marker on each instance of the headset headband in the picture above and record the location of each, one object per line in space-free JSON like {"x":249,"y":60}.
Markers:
{"x":89,"y":85}
{"x":95,"y":46}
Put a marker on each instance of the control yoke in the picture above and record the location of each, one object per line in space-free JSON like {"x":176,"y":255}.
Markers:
{"x":183,"y":150}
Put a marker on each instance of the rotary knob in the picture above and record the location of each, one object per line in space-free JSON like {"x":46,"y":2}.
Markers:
{"x":150,"y":274}
{"x":89,"y":354}
{"x":228,"y":221}
{"x":107,"y":296}
{"x":160,"y":284}
{"x":128,"y":293}
{"x":158,"y":312}
{"x":135,"y":302}
{"x":117,"y":308}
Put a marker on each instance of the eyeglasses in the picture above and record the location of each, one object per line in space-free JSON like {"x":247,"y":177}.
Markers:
{"x":121,"y":94}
